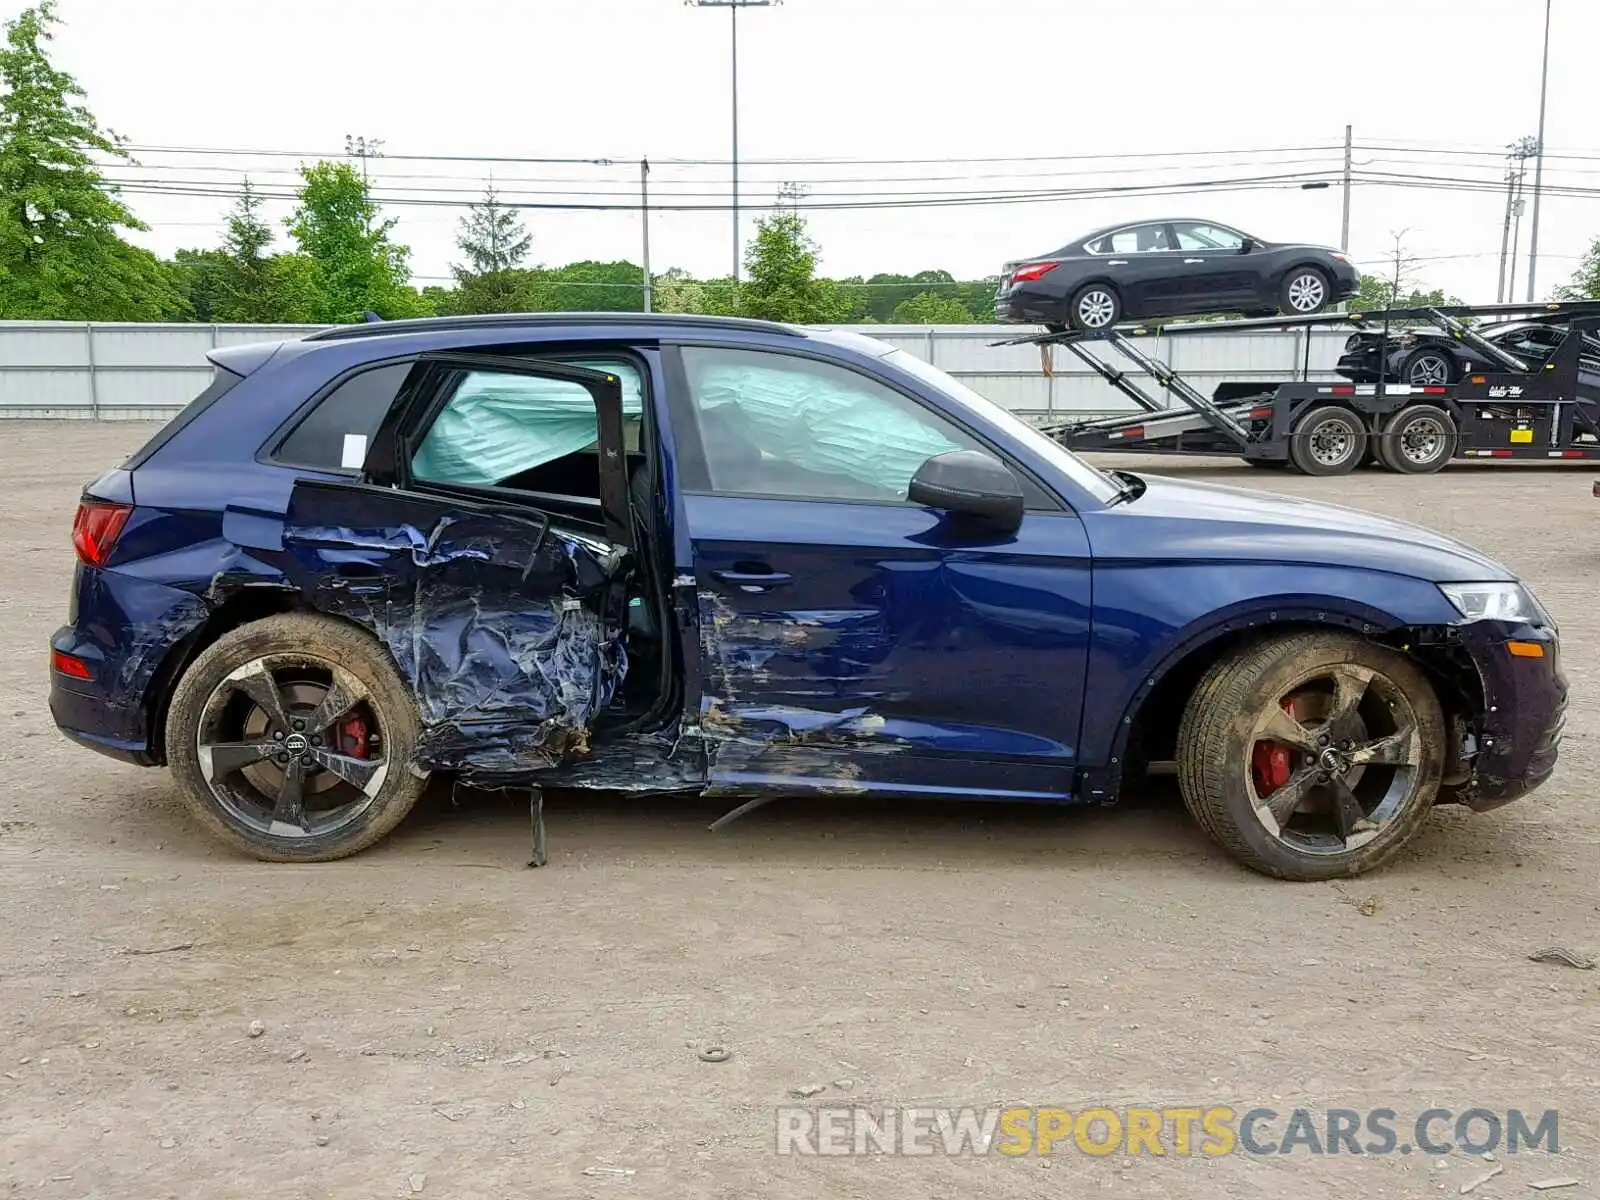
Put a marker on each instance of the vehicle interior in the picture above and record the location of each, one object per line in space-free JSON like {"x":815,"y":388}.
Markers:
{"x":538,"y":437}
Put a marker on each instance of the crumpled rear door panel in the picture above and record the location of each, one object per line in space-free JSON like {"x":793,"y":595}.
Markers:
{"x":498,"y":621}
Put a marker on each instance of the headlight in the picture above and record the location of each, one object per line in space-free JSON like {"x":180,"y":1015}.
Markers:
{"x":1352,"y":343}
{"x":1495,"y":602}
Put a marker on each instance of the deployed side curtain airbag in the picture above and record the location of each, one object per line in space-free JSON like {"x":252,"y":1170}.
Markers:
{"x":824,"y":425}
{"x":497,"y":426}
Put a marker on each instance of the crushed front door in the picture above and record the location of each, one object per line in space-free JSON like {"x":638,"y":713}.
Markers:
{"x":504,"y":623}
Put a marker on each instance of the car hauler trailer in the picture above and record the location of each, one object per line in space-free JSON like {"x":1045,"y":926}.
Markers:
{"x":1505,"y":407}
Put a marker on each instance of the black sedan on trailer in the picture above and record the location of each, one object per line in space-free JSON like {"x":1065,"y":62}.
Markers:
{"x":1429,"y":357}
{"x":1168,"y":269}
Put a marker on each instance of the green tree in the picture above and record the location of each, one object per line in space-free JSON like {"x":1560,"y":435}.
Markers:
{"x":591,"y":286}
{"x":676,"y":292}
{"x":927,"y":308}
{"x":1585,"y":282}
{"x":201,"y":275}
{"x":257,"y":286}
{"x":782,"y":283}
{"x":61,"y":254}
{"x":495,"y":243}
{"x":356,"y":267}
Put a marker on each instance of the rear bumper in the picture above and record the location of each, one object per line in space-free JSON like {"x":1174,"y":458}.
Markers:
{"x":1525,"y":705}
{"x":1023,"y":306}
{"x":126,"y":631}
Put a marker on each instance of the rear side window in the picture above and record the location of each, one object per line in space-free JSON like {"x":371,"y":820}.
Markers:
{"x":508,"y":429}
{"x":335,"y":434}
{"x":222,"y":382}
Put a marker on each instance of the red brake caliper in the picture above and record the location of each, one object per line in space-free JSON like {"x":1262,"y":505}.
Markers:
{"x":353,"y":738}
{"x":1271,"y":762}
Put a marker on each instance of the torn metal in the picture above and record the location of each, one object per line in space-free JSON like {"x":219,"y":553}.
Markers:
{"x":500,"y":626}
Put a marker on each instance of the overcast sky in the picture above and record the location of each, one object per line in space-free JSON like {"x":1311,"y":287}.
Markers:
{"x":866,"y":80}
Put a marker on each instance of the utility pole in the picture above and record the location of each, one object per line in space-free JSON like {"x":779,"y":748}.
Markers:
{"x":363,"y":148}
{"x":1519,"y":152}
{"x":733,"y":7}
{"x":644,"y":205}
{"x":1538,"y":163}
{"x":1344,"y":228}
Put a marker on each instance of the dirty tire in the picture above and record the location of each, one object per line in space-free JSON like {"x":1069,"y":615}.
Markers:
{"x":1216,"y":738}
{"x":1418,"y":440}
{"x":315,"y":640}
{"x":1328,"y":440}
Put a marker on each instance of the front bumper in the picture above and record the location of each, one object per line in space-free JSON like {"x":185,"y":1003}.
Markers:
{"x":1513,"y":744}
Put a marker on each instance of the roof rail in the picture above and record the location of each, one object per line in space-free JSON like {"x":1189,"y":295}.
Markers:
{"x":538,"y":320}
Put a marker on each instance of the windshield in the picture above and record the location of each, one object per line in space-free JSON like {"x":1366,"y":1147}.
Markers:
{"x":1093,"y":480}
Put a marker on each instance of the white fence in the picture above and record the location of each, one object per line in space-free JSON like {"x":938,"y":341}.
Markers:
{"x":113,"y":371}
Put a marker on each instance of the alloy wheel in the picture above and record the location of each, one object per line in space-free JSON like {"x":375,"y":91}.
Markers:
{"x":1096,"y":308}
{"x":1430,"y":370}
{"x":1333,"y":759}
{"x":292,"y":746}
{"x":1307,"y":292}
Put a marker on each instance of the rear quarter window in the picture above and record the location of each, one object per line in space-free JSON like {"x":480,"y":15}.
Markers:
{"x":222,"y":382}
{"x":335,"y":434}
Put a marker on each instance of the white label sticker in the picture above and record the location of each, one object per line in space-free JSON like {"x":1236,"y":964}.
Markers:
{"x":355,"y":450}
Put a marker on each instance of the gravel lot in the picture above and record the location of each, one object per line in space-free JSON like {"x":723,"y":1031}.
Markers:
{"x":439,"y":1018}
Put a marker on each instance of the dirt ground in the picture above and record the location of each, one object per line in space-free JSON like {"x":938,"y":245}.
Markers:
{"x":438,"y":1018}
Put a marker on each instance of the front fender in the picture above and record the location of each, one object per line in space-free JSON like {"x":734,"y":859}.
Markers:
{"x":1149,"y":618}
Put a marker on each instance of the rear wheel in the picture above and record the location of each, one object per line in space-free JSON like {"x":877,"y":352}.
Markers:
{"x":1328,"y":441}
{"x":1417,"y":440}
{"x":291,"y":739}
{"x":1095,"y":306}
{"x":1311,"y":756}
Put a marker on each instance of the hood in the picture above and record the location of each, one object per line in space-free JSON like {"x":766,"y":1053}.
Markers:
{"x":1184,"y":520}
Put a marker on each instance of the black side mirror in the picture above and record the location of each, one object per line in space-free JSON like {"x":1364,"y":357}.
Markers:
{"x":971,"y":484}
{"x":1247,"y":245}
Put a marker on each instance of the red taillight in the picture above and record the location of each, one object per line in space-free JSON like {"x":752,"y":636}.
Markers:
{"x":1033,"y":271}
{"x":68,"y":665}
{"x":96,"y":528}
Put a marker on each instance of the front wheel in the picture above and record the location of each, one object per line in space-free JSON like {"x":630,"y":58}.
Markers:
{"x":1428,"y":368}
{"x":1095,"y":306}
{"x":1328,"y":441}
{"x":1304,"y":291}
{"x":291,"y":739}
{"x":1311,"y":756}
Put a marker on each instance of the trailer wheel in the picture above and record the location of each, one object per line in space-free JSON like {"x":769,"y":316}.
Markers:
{"x":1328,"y":441}
{"x":1312,"y":755}
{"x":1417,"y":440}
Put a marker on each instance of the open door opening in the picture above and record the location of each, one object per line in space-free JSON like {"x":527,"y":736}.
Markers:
{"x":502,"y":600}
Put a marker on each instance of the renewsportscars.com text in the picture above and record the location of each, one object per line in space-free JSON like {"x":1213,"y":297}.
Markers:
{"x":1210,"y":1131}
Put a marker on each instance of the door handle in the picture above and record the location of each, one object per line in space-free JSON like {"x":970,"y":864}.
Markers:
{"x":752,"y":581}
{"x":1194,"y":260}
{"x":1116,"y":262}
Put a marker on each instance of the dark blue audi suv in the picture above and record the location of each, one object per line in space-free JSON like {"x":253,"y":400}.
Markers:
{"x":680,"y":554}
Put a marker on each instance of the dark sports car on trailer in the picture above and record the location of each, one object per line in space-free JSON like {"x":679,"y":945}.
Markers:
{"x":1430,"y":357}
{"x":1170,"y":268}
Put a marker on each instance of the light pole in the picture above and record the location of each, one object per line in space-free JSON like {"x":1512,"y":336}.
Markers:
{"x":1538,"y":162}
{"x":363,"y":148}
{"x":733,"y":7}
